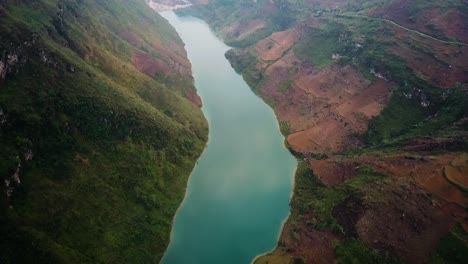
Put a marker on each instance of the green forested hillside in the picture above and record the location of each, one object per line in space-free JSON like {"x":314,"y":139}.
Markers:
{"x":95,"y":149}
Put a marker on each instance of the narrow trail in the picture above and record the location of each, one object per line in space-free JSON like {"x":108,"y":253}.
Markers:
{"x":408,"y":29}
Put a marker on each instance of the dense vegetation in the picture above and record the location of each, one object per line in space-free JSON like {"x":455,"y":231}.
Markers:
{"x":102,"y":152}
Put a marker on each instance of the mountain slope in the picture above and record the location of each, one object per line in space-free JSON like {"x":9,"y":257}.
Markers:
{"x":371,"y":96}
{"x":100,"y":129}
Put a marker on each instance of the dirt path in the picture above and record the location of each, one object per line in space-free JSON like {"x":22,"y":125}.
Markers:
{"x":408,"y":29}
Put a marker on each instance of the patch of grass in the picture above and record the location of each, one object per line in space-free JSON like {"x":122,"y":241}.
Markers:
{"x":284,"y":127}
{"x":293,"y":70}
{"x":311,"y":194}
{"x":354,"y":251}
{"x":269,"y":101}
{"x":246,"y":65}
{"x":366,"y":176}
{"x":284,"y":86}
{"x":453,"y":248}
{"x":317,"y":46}
{"x":405,"y":118}
{"x":400,"y":115}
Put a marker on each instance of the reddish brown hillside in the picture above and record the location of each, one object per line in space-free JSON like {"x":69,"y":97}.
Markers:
{"x":438,"y":22}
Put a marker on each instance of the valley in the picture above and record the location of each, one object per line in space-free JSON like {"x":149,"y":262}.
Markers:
{"x":120,"y":143}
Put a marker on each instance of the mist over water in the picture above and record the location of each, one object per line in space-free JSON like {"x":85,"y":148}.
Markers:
{"x":238,"y":194}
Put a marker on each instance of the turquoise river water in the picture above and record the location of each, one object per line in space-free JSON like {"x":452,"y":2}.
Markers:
{"x":238,"y":194}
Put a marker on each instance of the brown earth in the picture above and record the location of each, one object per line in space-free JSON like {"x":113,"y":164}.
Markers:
{"x":174,"y":47}
{"x":150,"y":65}
{"x":337,"y":102}
{"x":396,"y":215}
{"x":177,"y":58}
{"x":274,"y":47}
{"x":173,"y":59}
{"x":399,"y":216}
{"x":427,"y":171}
{"x":301,"y":241}
{"x":447,"y":24}
{"x":442,"y":65}
{"x":453,"y":23}
{"x":457,"y":175}
{"x":431,"y":144}
{"x":178,"y":64}
{"x":401,"y":219}
{"x":332,"y":172}
{"x":131,"y":38}
{"x":195,"y":98}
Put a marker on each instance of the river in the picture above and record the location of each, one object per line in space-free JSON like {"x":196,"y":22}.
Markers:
{"x":238,"y":194}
